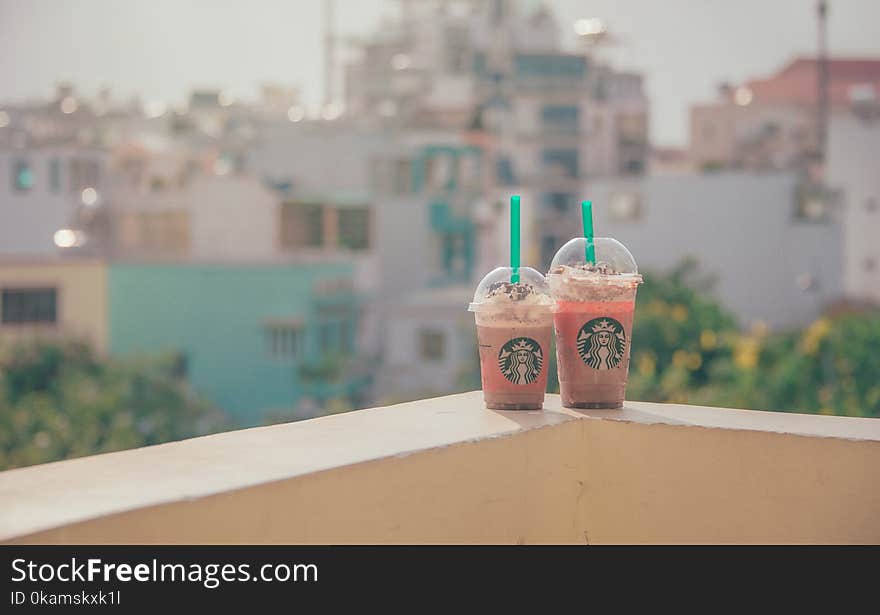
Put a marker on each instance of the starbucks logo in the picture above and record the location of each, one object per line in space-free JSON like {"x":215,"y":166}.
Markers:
{"x":520,"y":360}
{"x":601,"y":343}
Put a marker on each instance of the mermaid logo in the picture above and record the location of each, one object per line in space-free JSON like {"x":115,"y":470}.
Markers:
{"x":520,"y":360}
{"x":601,"y":343}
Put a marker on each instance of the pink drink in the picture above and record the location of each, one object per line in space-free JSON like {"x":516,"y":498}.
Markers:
{"x":514,"y":327}
{"x":592,"y":352}
{"x":593,"y":320}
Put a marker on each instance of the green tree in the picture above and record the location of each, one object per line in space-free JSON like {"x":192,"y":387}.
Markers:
{"x":687,"y":349}
{"x":831,"y":367}
{"x":680,"y":335}
{"x":59,"y":400}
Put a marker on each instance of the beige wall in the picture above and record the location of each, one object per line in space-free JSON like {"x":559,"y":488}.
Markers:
{"x":447,"y":470}
{"x":82,"y":309}
{"x":720,"y":132}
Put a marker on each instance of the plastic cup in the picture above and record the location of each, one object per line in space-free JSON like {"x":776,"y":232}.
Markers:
{"x":514,"y":324}
{"x":593,"y":318}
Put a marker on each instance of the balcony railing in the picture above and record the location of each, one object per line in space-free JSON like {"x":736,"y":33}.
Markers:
{"x":447,"y":470}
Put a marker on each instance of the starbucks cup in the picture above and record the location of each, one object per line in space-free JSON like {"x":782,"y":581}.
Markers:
{"x":593,"y":318}
{"x":514,"y":323}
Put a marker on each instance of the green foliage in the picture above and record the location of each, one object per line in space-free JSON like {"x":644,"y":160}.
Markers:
{"x":687,"y":349}
{"x":58,"y":400}
{"x":680,"y":335}
{"x":831,"y":367}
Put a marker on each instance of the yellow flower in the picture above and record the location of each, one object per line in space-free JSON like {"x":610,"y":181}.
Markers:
{"x":708,"y":339}
{"x":658,"y":307}
{"x":647,"y":364}
{"x":745,"y":355}
{"x":759,"y":328}
{"x":694,"y":361}
{"x":680,"y":358}
{"x":872,"y":397}
{"x":679,"y":313}
{"x":814,"y":335}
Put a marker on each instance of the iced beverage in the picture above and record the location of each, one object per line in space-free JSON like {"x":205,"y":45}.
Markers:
{"x":593,"y":318}
{"x":514,"y":325}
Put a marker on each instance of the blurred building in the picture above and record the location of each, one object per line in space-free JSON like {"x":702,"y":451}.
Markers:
{"x":774,"y":248}
{"x":475,"y":101}
{"x":432,"y":345}
{"x":47,"y":298}
{"x":139,"y":229}
{"x":258,"y":340}
{"x":544,"y":118}
{"x":44,"y":188}
{"x":853,"y":152}
{"x":771,"y":123}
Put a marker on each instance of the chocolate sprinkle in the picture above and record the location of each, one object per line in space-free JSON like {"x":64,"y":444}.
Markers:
{"x":514,"y":292}
{"x":601,"y":268}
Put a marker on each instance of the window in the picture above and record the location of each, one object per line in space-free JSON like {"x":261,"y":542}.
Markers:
{"x":83,"y":174}
{"x":549,"y":245}
{"x":313,"y":218}
{"x":402,"y":176}
{"x":561,"y":118}
{"x":346,"y":336}
{"x":55,"y":175}
{"x":550,"y":66}
{"x":632,"y":128}
{"x":329,"y":337}
{"x":22,"y":176}
{"x":560,"y":202}
{"x":632,"y":166}
{"x":455,"y":251}
{"x":468,"y":172}
{"x":283,"y":342}
{"x":302,"y":225}
{"x":562,"y":161}
{"x":161,"y":231}
{"x":626,"y":206}
{"x":29,"y":305}
{"x":354,"y":227}
{"x":438,"y":171}
{"x":457,"y":39}
{"x":432,"y":345}
{"x":812,"y":207}
{"x":505,"y":172}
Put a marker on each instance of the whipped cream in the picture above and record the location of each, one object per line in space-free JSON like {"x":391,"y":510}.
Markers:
{"x":514,"y":304}
{"x":589,"y":282}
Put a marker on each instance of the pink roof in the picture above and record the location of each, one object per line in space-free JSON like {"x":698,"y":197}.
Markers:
{"x":797,"y":82}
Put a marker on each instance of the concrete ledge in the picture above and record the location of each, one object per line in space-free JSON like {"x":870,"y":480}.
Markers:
{"x":448,"y":470}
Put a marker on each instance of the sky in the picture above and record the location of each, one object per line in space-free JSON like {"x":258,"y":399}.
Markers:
{"x":160,"y":49}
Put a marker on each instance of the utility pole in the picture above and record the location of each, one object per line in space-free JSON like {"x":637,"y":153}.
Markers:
{"x":822,"y":80}
{"x":329,"y":51}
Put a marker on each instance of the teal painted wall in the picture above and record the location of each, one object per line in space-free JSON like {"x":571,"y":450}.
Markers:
{"x":215,"y":315}
{"x":456,"y":234}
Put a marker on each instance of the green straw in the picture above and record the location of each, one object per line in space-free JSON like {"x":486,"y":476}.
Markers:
{"x":587,"y":215}
{"x":514,"y":239}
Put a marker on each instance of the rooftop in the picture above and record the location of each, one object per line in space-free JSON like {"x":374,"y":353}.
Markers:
{"x":448,"y":470}
{"x":796,"y":83}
